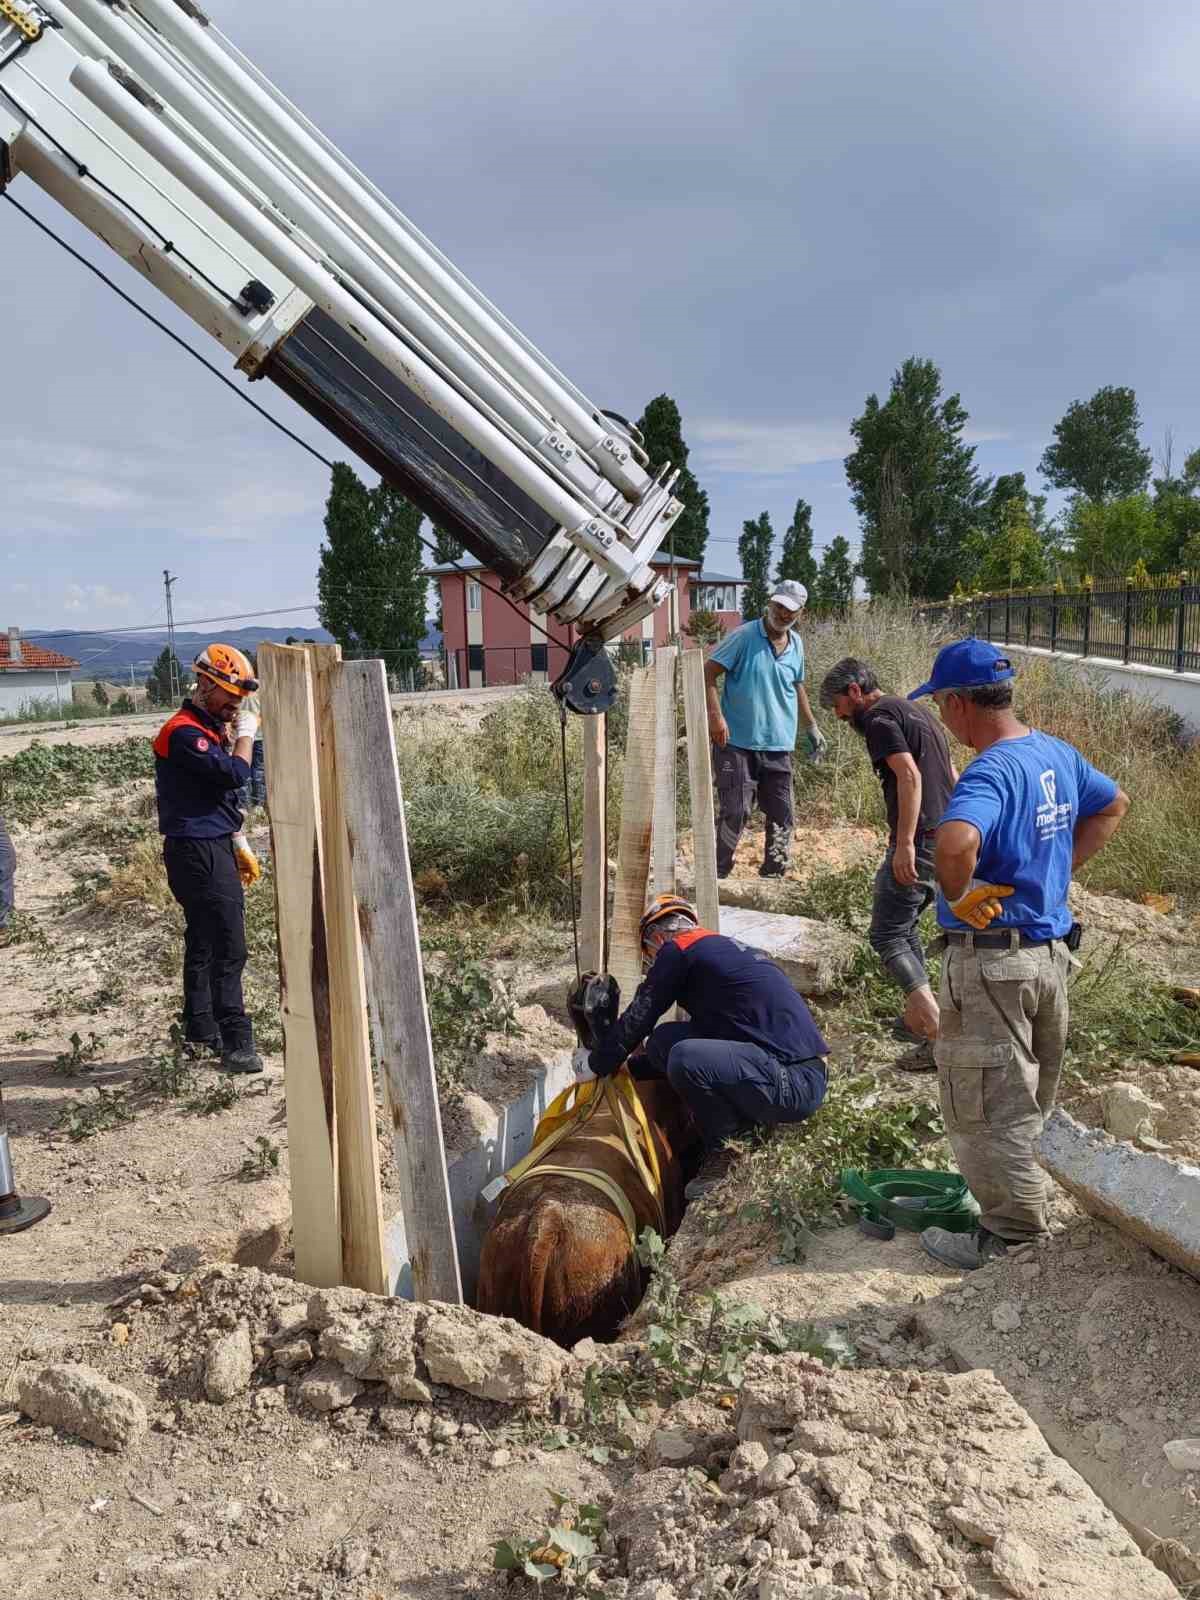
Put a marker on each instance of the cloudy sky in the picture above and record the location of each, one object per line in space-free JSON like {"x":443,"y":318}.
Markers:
{"x":761,"y":209}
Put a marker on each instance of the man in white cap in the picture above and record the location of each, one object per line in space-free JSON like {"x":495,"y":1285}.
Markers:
{"x":753,"y":717}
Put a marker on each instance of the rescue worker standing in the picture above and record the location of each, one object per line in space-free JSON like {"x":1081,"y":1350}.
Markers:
{"x":202,"y":758}
{"x":1024,"y":813}
{"x":750,"y":1056}
{"x":752,"y":720}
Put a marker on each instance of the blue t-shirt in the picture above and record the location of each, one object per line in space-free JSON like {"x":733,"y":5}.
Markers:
{"x":1026,"y":796}
{"x":758,"y":695}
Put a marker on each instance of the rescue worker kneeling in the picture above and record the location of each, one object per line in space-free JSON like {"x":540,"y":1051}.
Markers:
{"x":198,"y":770}
{"x":750,"y":1056}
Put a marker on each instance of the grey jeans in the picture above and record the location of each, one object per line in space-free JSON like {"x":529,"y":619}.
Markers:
{"x":895,"y":913}
{"x":742,"y":777}
{"x":8,"y":872}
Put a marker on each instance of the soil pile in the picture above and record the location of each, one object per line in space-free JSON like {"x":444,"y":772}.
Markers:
{"x":875,"y":1486}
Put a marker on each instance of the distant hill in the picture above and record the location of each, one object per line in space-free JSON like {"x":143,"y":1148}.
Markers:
{"x":110,"y":655}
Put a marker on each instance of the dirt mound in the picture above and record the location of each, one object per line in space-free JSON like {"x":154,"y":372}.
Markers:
{"x":875,"y":1486}
{"x":1100,"y":1341}
{"x":1169,"y":1118}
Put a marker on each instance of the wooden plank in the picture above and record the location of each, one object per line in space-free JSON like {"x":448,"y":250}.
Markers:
{"x":700,"y":785}
{"x":353,"y":1087}
{"x":633,"y":851}
{"x":387,"y":913}
{"x":663,"y":839}
{"x":593,"y":886}
{"x":293,"y":805}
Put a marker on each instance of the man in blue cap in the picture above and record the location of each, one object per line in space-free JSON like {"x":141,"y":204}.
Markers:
{"x":1024,"y":814}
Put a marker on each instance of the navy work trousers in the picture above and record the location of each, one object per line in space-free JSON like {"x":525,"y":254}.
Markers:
{"x":203,"y":876}
{"x":730,"y":1086}
{"x":8,"y":873}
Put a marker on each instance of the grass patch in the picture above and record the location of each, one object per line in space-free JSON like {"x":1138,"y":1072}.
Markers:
{"x":1119,"y":1013}
{"x":141,"y":878}
{"x":465,"y":1004}
{"x":794,"y":1179}
{"x":36,"y":782}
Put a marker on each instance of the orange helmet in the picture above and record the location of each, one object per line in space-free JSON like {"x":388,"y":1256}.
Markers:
{"x":666,"y":905}
{"x":228,"y":668}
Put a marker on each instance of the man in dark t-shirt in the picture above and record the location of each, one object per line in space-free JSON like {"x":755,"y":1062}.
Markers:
{"x":909,"y":752}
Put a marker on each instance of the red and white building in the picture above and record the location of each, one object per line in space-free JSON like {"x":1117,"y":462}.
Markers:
{"x":488,"y":642}
{"x":31,"y":674}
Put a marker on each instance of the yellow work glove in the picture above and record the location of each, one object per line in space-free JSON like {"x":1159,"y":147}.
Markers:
{"x":249,"y":869}
{"x":981,"y":905}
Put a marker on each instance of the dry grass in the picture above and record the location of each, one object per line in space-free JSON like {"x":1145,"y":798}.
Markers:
{"x":141,"y":880}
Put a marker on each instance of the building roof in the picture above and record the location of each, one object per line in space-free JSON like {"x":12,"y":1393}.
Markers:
{"x":34,"y":658}
{"x":717,"y":577}
{"x":446,"y":569}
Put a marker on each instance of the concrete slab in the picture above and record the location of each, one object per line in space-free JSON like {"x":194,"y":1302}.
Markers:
{"x":1149,"y":1197}
{"x":815,"y":955}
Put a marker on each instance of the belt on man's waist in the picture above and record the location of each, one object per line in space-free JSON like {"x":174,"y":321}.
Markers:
{"x":998,"y":940}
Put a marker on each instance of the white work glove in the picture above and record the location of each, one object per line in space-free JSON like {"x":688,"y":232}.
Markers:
{"x":248,"y":865}
{"x":581,"y":1063}
{"x":246,"y":725}
{"x":817,"y":744}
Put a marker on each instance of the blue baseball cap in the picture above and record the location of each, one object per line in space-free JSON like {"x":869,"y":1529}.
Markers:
{"x":966,"y":664}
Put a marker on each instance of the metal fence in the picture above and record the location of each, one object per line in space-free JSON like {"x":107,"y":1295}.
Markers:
{"x":1150,"y":627}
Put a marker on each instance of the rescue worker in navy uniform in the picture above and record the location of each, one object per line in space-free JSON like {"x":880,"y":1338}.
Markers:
{"x":202,"y":758}
{"x":750,"y":1056}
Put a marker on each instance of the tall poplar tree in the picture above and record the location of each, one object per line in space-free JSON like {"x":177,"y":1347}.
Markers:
{"x":370,"y":587}
{"x":754,"y":548}
{"x":661,"y":428}
{"x":796,"y":558}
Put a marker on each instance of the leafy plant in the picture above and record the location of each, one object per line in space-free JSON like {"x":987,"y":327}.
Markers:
{"x":568,"y":1550}
{"x":168,"y":1074}
{"x":465,"y":1005}
{"x":76,"y":1058}
{"x":82,"y":1119}
{"x":38,"y":780}
{"x":1116,"y":1012}
{"x":24,"y":928}
{"x":261,"y":1161}
{"x":215,"y":1097}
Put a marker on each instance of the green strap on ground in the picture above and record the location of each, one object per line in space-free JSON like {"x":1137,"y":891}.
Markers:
{"x":913,"y":1199}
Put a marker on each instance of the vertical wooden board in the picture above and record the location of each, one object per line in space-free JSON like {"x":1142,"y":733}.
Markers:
{"x":663,"y":843}
{"x":293,"y":805}
{"x":593,"y":886}
{"x":700,"y":786}
{"x":391,"y":945}
{"x":353,"y":1089}
{"x":633,"y":851}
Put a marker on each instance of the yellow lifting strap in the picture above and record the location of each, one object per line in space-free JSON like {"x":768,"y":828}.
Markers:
{"x":568,"y":1112}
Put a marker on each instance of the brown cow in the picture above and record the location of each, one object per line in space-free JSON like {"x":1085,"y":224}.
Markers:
{"x":557,"y":1256}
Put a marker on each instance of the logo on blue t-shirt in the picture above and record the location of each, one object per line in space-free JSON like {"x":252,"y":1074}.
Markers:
{"x":1025,"y":797}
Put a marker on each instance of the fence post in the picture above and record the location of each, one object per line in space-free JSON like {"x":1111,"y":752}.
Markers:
{"x":593,"y":885}
{"x":700,"y":786}
{"x":1128,"y":629}
{"x":633,"y":847}
{"x":663,"y":835}
{"x":1028,"y":617}
{"x":1087,"y":622}
{"x":1053,"y":620}
{"x":1180,"y":627}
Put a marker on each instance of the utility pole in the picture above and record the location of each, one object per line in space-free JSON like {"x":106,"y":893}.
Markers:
{"x":176,"y":686}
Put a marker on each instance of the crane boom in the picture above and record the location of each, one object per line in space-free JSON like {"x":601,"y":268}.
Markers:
{"x":149,"y":126}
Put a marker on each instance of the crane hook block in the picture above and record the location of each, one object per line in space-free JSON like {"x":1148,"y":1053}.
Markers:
{"x":587,"y":684}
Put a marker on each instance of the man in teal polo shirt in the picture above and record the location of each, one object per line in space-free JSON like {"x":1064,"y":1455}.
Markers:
{"x":752,"y":719}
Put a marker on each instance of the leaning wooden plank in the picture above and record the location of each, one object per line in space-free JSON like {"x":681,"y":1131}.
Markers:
{"x":391,"y":944}
{"x":294,"y":808}
{"x":353,"y":1088}
{"x":663,"y":846}
{"x":593,"y":887}
{"x":633,"y":851}
{"x":700,"y":786}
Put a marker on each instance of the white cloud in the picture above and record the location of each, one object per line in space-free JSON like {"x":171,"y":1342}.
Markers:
{"x":94,"y":597}
{"x":767,"y":449}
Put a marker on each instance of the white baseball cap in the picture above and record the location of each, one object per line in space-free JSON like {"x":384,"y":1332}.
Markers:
{"x":791,"y":595}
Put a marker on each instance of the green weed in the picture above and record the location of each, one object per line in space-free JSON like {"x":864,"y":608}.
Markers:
{"x":72,"y":1061}
{"x":85,"y":1118}
{"x":168,"y":1075}
{"x":213,"y":1098}
{"x":24,"y":928}
{"x":1117,"y":1012}
{"x":465,"y":1005}
{"x":37,"y":781}
{"x":567,"y":1550}
{"x":261,"y":1160}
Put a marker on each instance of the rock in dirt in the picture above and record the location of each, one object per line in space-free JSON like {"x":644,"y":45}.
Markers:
{"x":328,"y":1388}
{"x":1017,"y":1567}
{"x":492,"y":1358}
{"x":1006,"y":1318}
{"x":372,"y":1339}
{"x":1183,"y":1454}
{"x":1129,"y":1112}
{"x":81,"y":1401}
{"x":229,"y":1365}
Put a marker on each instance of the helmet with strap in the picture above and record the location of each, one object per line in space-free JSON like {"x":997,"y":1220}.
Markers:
{"x":663,"y":906}
{"x":228,"y":668}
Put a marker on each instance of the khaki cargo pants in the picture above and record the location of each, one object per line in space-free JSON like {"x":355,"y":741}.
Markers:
{"x":999,"y":1055}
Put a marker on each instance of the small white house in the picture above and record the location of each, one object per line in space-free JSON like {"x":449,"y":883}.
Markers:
{"x":29,"y":672}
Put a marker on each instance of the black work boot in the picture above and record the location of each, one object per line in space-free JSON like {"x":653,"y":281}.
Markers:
{"x":244,"y":1059}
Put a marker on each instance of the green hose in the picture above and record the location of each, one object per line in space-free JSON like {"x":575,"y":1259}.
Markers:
{"x":914,"y":1199}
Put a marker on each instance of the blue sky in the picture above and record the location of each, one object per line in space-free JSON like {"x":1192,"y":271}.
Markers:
{"x":760,"y":209}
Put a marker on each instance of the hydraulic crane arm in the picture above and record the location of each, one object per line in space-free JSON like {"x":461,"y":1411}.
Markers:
{"x":160,"y":137}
